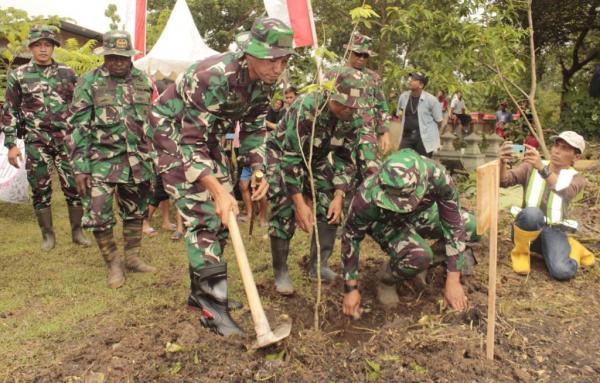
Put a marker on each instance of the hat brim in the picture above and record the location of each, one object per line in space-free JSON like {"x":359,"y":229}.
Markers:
{"x":259,"y":49}
{"x":350,"y":102}
{"x":393,"y":203}
{"x":554,"y":138}
{"x":54,"y":41}
{"x":360,"y":50}
{"x":102,"y":51}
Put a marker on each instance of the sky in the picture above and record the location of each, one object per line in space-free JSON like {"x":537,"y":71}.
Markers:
{"x":86,"y":13}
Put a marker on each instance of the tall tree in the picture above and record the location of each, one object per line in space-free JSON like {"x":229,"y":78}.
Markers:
{"x":568,"y":29}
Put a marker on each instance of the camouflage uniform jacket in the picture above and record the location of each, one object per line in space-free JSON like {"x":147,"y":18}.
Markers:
{"x":38,"y":98}
{"x":107,"y":122}
{"x":381,"y":107}
{"x":292,"y":138}
{"x":188,"y":122}
{"x":366,"y":217}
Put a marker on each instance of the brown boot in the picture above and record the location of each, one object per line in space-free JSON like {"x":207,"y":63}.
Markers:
{"x":108,"y":249}
{"x":132,"y":234}
{"x":387,"y":294}
{"x":75,"y":214}
{"x":44,"y":217}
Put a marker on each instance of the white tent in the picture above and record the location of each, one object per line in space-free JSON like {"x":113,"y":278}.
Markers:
{"x":179,"y":46}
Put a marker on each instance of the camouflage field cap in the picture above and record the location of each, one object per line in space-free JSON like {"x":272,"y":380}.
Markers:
{"x":350,"y":87}
{"x":402,"y":182}
{"x":40,"y":32}
{"x":116,"y":43}
{"x":269,"y":38}
{"x":361,"y":44}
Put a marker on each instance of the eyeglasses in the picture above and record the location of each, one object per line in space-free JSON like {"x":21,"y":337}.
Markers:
{"x":361,"y":55}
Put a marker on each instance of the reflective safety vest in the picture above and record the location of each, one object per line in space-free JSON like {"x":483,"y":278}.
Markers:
{"x":554,"y":205}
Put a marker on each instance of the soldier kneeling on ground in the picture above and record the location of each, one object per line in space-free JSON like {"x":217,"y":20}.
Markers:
{"x":411,"y":197}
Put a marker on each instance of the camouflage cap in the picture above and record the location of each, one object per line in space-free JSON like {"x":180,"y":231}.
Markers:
{"x":40,"y":32}
{"x":350,"y":87}
{"x":402,"y":182}
{"x":269,"y":38}
{"x":116,"y":43}
{"x":360,"y":44}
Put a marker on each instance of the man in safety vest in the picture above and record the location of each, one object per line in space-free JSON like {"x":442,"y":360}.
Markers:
{"x":542,"y":225}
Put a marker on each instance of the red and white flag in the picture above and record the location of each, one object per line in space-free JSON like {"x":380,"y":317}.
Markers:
{"x":140,"y":28}
{"x":298,"y":15}
{"x":134,"y":18}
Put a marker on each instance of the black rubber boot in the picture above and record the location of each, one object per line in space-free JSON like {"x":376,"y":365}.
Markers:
{"x":327,"y":242}
{"x":44,"y":217}
{"x":280,"y":249}
{"x":209,"y":294}
{"x":75,"y":214}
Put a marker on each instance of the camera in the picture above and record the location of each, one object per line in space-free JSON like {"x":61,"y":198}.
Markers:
{"x":518,"y":149}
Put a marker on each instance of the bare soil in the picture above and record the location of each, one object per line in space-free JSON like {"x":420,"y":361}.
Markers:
{"x":539,"y":337}
{"x":546,"y":331}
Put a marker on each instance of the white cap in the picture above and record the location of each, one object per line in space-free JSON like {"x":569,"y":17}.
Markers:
{"x":571,"y":138}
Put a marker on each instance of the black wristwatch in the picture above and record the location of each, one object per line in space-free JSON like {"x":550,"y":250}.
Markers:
{"x":545,"y":172}
{"x":348,"y":288}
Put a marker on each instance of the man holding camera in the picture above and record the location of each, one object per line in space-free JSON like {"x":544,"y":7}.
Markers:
{"x":542,"y":225}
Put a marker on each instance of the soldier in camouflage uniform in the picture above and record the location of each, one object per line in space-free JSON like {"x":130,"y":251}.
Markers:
{"x":290,"y":190}
{"x":367,"y":153}
{"x":188,"y":120}
{"x":111,"y":155}
{"x":36,"y":108}
{"x":411,"y":197}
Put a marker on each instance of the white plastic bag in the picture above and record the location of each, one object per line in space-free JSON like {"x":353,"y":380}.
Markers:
{"x":14,"y":187}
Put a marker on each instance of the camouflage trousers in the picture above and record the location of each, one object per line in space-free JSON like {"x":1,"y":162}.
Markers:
{"x":407,"y":246}
{"x":205,"y":237}
{"x":283,"y":221}
{"x":368,"y":160}
{"x":132,"y":200}
{"x":40,"y":158}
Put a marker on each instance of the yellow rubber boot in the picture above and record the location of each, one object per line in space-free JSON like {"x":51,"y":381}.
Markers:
{"x":580,"y":254}
{"x":520,"y":253}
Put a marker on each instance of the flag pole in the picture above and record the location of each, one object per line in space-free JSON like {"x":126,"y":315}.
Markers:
{"x":315,"y":44}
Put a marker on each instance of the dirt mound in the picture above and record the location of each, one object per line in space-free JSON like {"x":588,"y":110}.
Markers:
{"x":414,"y":342}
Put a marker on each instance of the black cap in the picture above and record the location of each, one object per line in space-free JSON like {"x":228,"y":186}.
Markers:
{"x":419,"y":76}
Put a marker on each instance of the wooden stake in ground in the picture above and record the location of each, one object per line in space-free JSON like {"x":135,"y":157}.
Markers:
{"x":488,"y":187}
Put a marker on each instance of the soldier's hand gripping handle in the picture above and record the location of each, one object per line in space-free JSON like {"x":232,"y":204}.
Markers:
{"x":259,"y":185}
{"x":257,"y":178}
{"x":84,"y":183}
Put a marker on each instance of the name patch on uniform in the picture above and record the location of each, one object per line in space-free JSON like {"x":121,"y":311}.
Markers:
{"x":104,"y":99}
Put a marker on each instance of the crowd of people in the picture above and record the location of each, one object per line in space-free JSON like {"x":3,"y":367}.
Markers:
{"x":108,"y":139}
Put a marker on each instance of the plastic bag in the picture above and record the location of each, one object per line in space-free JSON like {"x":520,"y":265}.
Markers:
{"x":14,"y":187}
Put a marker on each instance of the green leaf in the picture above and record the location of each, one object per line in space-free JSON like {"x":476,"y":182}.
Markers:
{"x":417,"y":368}
{"x":175,"y":368}
{"x":373,"y":370}
{"x":276,"y":356}
{"x":173,"y":347}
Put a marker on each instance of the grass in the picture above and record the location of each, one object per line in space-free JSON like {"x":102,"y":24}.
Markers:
{"x":60,"y":297}
{"x":50,"y":302}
